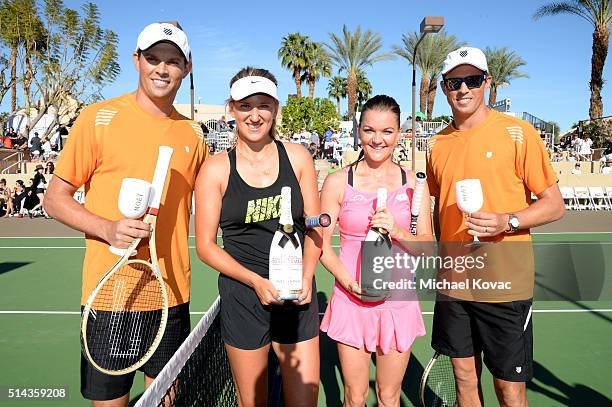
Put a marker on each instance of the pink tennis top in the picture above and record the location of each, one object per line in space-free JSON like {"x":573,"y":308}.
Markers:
{"x":391,"y":324}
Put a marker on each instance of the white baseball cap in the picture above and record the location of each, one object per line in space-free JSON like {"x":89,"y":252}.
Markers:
{"x":465,"y":56}
{"x":158,"y":32}
{"x":250,"y":85}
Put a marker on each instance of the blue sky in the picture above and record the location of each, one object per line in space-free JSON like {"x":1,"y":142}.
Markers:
{"x":227,"y":36}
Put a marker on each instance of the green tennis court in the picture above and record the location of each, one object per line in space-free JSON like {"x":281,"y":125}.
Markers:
{"x":40,"y":281}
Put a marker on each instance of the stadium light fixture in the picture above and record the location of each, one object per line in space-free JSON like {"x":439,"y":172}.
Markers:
{"x":430,"y":24}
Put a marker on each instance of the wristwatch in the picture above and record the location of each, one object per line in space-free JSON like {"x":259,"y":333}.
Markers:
{"x":513,"y":223}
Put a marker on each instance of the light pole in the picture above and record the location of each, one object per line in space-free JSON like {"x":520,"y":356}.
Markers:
{"x":430,"y":24}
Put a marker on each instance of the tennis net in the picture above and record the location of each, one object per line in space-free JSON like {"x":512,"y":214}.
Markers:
{"x":199,"y":372}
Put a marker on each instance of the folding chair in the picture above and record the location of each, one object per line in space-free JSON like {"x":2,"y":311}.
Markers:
{"x":583,"y":198}
{"x":600,"y":203}
{"x":608,"y":197}
{"x":569,"y":198}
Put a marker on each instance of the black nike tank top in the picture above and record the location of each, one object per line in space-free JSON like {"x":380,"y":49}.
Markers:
{"x":250,"y":215}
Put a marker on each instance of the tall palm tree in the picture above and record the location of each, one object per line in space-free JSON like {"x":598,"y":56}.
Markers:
{"x":364,"y":88}
{"x":503,"y":68}
{"x":353,"y":51}
{"x":336,"y":89}
{"x":21,"y":26}
{"x":317,"y":64}
{"x":431,"y":54}
{"x":292,"y":54}
{"x":599,"y":14}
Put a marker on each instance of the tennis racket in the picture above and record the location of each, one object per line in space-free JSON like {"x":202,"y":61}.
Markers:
{"x":124,"y":318}
{"x":383,"y":247}
{"x":437,"y":387}
{"x":285,"y":265}
{"x":417,"y":197}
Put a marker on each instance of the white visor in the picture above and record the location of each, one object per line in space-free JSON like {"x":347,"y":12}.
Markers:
{"x":251,"y":85}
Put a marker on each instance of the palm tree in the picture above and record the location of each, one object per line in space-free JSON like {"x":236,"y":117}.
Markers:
{"x":336,"y":89}
{"x":503,"y":67}
{"x":364,"y":88}
{"x":317,"y":64}
{"x":21,"y":26}
{"x":292,"y":54}
{"x":599,"y":14}
{"x":431,"y":54}
{"x":353,"y":51}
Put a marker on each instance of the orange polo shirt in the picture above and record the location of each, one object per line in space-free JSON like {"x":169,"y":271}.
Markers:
{"x":508,"y":157}
{"x":117,"y":139}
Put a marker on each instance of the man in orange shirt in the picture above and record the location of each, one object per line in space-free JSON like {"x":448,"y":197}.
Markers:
{"x":116,"y":139}
{"x":510,"y":160}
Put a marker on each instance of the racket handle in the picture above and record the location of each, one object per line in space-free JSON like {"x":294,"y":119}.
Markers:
{"x":417,"y":197}
{"x":319,"y":221}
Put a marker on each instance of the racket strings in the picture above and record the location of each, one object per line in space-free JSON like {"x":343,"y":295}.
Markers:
{"x":440,"y":386}
{"x":128,"y":315}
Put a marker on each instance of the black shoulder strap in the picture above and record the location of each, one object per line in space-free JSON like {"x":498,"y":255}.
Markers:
{"x":350,"y":175}
{"x":403,"y":176}
{"x":232,"y":159}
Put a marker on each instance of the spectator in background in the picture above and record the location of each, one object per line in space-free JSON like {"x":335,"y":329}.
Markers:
{"x":20,"y":142}
{"x":56,"y":141}
{"x":223,"y":124}
{"x":305,"y":138}
{"x":35,"y":147}
{"x":576,"y":170}
{"x":6,"y":206}
{"x":49,"y":168}
{"x":313,"y":150}
{"x":314,"y":137}
{"x":607,"y":168}
{"x":19,"y":194}
{"x":47,"y":151}
{"x":39,"y":184}
{"x":30,"y":201}
{"x":585,"y":148}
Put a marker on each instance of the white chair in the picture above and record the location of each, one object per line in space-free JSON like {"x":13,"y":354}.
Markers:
{"x":598,"y":198}
{"x":569,"y":198}
{"x":583,"y":199}
{"x":609,"y":197}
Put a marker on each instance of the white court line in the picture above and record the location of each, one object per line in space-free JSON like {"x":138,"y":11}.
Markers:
{"x":542,"y":311}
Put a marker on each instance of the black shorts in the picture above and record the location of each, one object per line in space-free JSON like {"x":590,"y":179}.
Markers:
{"x":501,"y":331}
{"x":247,"y":324}
{"x":96,"y":385}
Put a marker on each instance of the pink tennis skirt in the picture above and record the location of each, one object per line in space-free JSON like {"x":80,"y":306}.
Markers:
{"x":391,"y":325}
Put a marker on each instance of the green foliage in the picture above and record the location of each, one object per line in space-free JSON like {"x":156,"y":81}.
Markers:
{"x":600,"y":131}
{"x":293,"y":56}
{"x":445,"y":118}
{"x":317,"y":64}
{"x":351,"y":52}
{"x":599,"y":14}
{"x":503,"y":67}
{"x":431,"y":54}
{"x":312,"y":114}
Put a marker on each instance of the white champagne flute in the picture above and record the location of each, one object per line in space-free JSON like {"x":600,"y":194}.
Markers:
{"x":469,"y":196}
{"x":134,"y":198}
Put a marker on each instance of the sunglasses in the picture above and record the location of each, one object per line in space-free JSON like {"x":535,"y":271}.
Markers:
{"x":472,"y":82}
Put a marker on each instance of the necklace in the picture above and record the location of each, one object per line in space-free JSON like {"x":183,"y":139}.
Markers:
{"x":257,"y":164}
